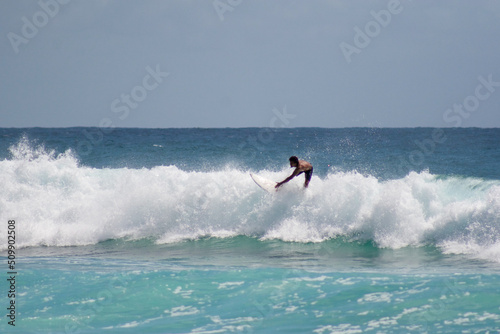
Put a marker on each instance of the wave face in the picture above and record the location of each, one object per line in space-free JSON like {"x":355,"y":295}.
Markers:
{"x":57,"y":202}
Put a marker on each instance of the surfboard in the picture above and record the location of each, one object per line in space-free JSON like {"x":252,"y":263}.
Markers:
{"x":264,"y":183}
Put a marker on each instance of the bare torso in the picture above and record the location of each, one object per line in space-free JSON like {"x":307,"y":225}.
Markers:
{"x":303,"y":166}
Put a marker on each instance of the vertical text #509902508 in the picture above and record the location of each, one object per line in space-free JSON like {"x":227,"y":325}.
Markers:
{"x":11,"y":273}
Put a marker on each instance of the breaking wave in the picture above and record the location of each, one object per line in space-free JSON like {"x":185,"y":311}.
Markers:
{"x":57,"y":202}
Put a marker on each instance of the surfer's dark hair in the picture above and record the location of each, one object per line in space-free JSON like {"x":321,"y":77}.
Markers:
{"x":293,"y":158}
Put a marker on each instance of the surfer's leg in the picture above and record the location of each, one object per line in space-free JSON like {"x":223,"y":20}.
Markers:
{"x":308,"y":175}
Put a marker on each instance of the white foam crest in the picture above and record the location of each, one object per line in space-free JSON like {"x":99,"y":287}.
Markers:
{"x":417,"y":209}
{"x":59,"y":203}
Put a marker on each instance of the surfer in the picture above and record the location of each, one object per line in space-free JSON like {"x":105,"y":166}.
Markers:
{"x":301,"y":166}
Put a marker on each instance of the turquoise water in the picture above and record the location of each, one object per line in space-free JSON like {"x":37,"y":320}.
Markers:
{"x":163,"y":231}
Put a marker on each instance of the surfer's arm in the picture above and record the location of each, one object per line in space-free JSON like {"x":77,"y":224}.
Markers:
{"x":294,"y":174}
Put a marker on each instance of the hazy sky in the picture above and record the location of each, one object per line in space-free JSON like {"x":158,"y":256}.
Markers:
{"x":239,"y":63}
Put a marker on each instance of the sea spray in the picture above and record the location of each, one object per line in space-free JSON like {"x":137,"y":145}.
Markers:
{"x":58,"y":202}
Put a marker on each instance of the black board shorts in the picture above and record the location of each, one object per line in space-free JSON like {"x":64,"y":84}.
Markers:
{"x":308,"y":174}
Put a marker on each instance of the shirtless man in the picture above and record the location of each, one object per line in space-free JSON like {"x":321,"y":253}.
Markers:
{"x":301,"y":166}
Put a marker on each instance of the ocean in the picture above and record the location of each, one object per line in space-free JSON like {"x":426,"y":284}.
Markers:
{"x":164,"y":231}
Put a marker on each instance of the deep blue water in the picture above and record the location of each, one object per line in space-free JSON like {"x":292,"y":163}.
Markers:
{"x":381,"y":152}
{"x":163,"y":231}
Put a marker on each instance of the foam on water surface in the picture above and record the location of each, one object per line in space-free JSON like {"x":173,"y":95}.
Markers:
{"x":57,"y":202}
